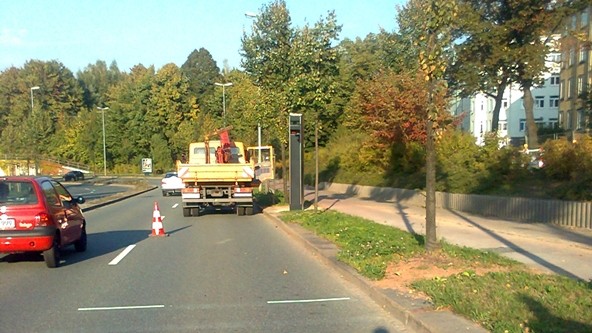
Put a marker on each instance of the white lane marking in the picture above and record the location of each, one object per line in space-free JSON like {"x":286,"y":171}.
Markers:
{"x":132,"y":307}
{"x":175,"y":205}
{"x":310,"y":300}
{"x":122,"y":255}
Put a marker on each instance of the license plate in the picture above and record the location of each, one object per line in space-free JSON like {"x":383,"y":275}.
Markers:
{"x":7,"y":224}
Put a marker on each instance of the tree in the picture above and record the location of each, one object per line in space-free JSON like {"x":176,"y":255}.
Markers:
{"x":95,"y":80}
{"x":265,"y":58}
{"x":505,"y":42}
{"x":201,"y":72}
{"x":314,"y":60}
{"x":432,"y":22}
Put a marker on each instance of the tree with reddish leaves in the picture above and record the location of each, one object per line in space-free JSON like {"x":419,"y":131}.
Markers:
{"x":392,"y":108}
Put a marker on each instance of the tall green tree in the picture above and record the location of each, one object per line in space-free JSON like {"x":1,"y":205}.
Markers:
{"x":266,"y":51}
{"x":201,"y":72}
{"x":168,"y":108}
{"x":127,"y":138}
{"x":314,"y":63}
{"x":95,"y":80}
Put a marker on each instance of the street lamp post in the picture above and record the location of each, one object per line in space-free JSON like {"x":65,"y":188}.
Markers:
{"x":104,"y":145}
{"x":223,"y":85}
{"x":254,"y":15}
{"x":33,"y":88}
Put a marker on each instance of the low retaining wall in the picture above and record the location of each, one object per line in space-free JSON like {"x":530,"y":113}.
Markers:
{"x":566,"y":213}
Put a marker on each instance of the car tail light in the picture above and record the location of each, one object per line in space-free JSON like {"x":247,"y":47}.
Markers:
{"x":42,"y":220}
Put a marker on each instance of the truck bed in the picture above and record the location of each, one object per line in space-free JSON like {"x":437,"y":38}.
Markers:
{"x":209,"y":173}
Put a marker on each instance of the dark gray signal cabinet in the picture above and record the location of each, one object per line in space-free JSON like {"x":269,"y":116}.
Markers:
{"x":296,"y":161}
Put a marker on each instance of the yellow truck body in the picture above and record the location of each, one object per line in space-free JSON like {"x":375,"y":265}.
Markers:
{"x":209,"y":182}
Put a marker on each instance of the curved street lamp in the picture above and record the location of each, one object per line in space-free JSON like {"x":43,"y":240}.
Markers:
{"x":33,"y":88}
{"x":223,"y":85}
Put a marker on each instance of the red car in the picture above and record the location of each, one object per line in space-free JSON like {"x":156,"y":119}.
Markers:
{"x":38,"y":214}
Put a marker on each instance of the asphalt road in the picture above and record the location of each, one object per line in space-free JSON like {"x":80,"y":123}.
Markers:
{"x":214,"y":273}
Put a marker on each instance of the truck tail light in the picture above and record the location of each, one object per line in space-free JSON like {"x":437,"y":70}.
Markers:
{"x":243,"y":190}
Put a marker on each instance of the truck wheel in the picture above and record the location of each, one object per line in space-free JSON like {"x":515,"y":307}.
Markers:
{"x":249,"y":210}
{"x":186,"y":212}
{"x":164,"y":193}
{"x":240,"y":211}
{"x":195,"y":211}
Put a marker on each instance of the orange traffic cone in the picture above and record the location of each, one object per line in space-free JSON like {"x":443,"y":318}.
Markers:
{"x":157,"y":226}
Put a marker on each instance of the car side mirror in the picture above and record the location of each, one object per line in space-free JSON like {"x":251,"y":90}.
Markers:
{"x":80,"y":200}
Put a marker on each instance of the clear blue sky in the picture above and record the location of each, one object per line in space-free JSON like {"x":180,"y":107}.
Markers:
{"x":157,"y":32}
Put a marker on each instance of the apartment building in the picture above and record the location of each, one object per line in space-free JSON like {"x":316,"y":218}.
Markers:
{"x":478,"y":109}
{"x":576,"y":72}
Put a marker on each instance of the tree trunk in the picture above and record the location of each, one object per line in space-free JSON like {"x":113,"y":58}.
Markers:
{"x":498,"y":106}
{"x":284,"y":171}
{"x":431,"y":238}
{"x":531,"y":127}
{"x":316,"y":197}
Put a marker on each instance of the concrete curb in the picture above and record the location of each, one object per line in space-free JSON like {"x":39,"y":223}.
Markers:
{"x":108,"y":202}
{"x":419,"y":315}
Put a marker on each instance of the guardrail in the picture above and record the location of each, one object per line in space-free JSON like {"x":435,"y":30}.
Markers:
{"x":576,"y":214}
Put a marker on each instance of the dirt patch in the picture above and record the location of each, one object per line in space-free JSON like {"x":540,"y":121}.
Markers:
{"x":400,"y":275}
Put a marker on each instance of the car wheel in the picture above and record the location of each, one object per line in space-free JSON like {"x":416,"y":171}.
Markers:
{"x":52,"y":256}
{"x":80,"y":244}
{"x":164,"y":193}
{"x":249,"y":210}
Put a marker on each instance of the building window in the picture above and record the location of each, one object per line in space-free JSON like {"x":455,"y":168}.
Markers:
{"x":554,"y":57}
{"x":569,"y":87}
{"x":522,"y":125}
{"x":539,"y":102}
{"x":580,"y":119}
{"x":572,"y":57}
{"x":505,"y":103}
{"x":562,"y":90}
{"x":554,"y":80}
{"x":574,"y":21}
{"x":583,"y":54}
{"x":580,"y":85}
{"x":554,"y":101}
{"x":584,"y":19}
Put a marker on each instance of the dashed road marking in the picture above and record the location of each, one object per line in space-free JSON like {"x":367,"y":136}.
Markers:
{"x":122,"y":255}
{"x":309,"y":300}
{"x":131,"y":307}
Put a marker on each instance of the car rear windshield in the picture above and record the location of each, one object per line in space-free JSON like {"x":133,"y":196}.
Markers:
{"x":17,"y":193}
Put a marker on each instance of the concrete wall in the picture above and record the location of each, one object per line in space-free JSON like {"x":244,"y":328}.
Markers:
{"x":565,"y":213}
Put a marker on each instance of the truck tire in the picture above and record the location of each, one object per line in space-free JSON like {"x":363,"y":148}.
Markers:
{"x":186,"y":212}
{"x":240,"y":211}
{"x":195,"y":211}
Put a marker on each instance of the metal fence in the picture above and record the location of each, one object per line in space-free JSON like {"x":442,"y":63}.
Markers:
{"x":566,"y":213}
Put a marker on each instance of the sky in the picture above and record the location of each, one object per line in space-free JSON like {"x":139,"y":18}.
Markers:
{"x":157,"y":32}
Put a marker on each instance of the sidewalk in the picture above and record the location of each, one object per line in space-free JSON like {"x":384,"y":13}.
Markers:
{"x":546,"y":247}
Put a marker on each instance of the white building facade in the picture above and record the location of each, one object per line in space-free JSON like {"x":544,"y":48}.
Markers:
{"x":478,"y":109}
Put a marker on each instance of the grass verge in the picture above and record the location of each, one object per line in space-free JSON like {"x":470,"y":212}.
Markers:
{"x":512,"y":301}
